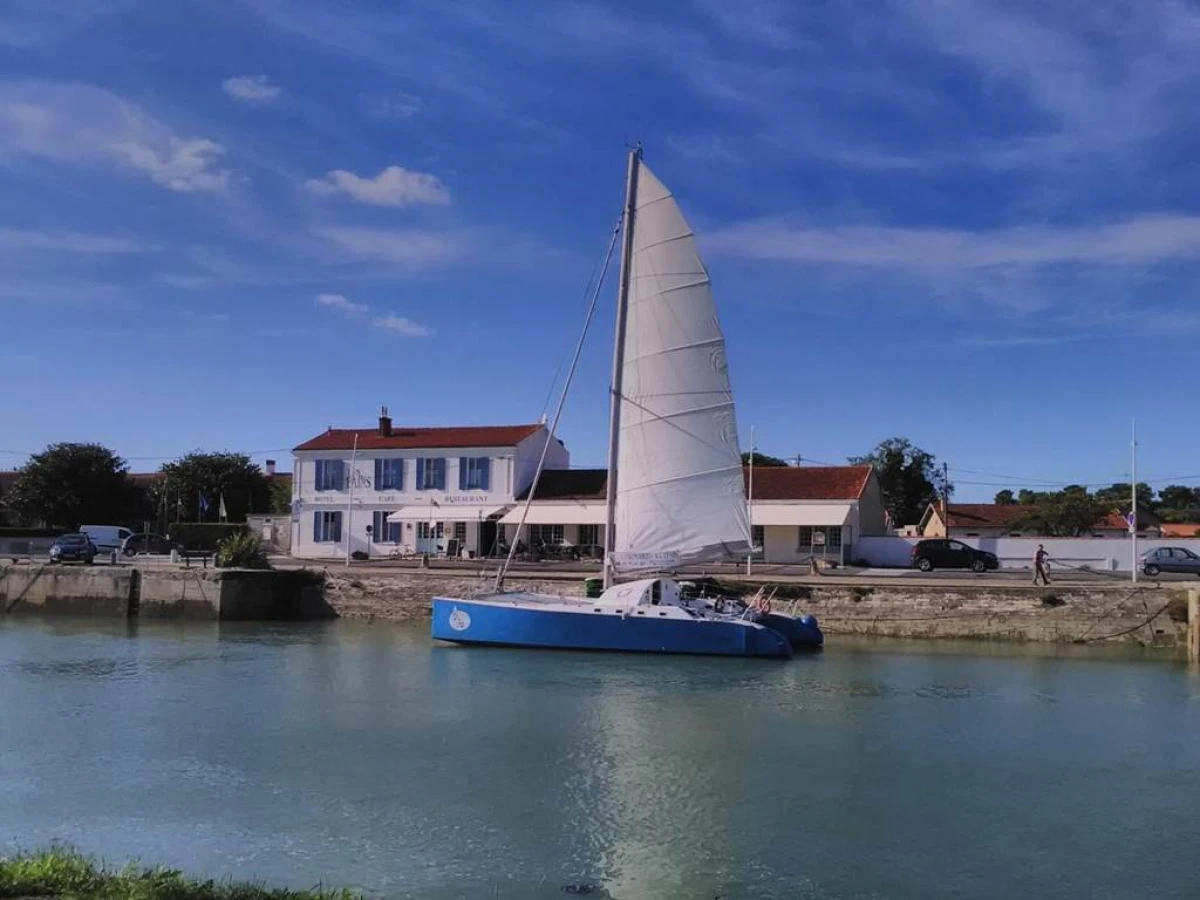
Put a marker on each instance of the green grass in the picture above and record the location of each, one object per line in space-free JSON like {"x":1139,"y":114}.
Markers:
{"x":68,"y":874}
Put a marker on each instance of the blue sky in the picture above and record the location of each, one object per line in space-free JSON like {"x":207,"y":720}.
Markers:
{"x":231,"y":223}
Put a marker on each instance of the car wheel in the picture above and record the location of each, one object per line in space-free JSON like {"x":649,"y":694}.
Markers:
{"x":978,"y":566}
{"x":1152,"y":570}
{"x":925,"y":564}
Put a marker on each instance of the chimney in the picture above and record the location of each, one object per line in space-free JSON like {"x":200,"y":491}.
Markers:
{"x":385,"y":423}
{"x":270,"y":468}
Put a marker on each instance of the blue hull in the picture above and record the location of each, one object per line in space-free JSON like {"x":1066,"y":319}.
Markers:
{"x":802,"y":632}
{"x":477,"y":622}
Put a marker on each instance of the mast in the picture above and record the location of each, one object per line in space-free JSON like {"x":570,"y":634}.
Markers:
{"x":614,"y":416}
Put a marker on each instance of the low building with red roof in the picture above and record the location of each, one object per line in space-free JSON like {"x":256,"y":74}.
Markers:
{"x":993,"y":520}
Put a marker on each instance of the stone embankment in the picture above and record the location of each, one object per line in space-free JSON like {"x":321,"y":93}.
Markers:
{"x":158,"y":592}
{"x":1151,"y":614}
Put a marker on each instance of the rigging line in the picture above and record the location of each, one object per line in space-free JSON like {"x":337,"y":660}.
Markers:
{"x":562,"y":400}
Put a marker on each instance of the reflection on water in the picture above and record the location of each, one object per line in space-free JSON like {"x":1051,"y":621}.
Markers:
{"x":362,"y":755}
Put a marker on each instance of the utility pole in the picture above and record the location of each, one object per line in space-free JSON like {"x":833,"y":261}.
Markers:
{"x":350,"y":497}
{"x":750,"y":503}
{"x":946,"y":496}
{"x":1133,"y":516}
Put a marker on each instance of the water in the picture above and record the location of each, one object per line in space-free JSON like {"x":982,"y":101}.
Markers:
{"x":360,"y":755}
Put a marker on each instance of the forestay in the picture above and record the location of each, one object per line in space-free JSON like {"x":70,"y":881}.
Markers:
{"x":680,"y":495}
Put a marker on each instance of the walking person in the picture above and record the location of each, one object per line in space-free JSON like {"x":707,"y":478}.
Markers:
{"x":1040,"y":568}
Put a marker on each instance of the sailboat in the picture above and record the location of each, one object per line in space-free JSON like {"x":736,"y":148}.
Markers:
{"x":675,"y":489}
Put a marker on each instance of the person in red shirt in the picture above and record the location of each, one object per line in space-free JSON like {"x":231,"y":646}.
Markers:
{"x":1040,"y":570}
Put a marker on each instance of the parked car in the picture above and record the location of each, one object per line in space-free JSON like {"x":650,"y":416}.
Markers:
{"x":149,"y":543}
{"x":942,"y":553}
{"x":73,"y":548}
{"x":1171,"y":559}
{"x":105,"y":538}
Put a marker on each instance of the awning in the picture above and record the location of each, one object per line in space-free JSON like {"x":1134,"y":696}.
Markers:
{"x":558,"y":514}
{"x":428,"y":513}
{"x":804,"y":514}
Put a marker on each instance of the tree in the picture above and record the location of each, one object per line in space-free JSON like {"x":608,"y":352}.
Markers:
{"x":192,"y":481}
{"x":281,"y":496}
{"x":68,"y":485}
{"x":1179,"y":503}
{"x":1026,"y":497}
{"x":761,"y":459}
{"x":1005,"y":498}
{"x":1119,"y":496}
{"x":1071,"y":512}
{"x":908,"y":477}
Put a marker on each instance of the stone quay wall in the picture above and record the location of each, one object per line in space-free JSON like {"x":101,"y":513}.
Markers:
{"x":1152,"y":614}
{"x":162,"y":593}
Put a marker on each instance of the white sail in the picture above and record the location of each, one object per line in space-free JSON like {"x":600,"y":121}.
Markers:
{"x":680,"y":495}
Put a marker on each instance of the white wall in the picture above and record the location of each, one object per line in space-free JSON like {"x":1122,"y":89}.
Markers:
{"x":1017,"y":553}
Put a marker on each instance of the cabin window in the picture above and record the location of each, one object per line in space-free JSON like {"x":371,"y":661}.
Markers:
{"x":656,"y":593}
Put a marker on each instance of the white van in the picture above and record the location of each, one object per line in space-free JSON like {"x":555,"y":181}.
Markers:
{"x":107,"y":538}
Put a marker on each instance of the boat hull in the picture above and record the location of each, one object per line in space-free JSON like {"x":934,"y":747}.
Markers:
{"x":802,"y":632}
{"x":520,"y":625}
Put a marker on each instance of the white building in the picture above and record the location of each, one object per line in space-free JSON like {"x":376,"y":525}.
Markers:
{"x":798,"y":513}
{"x":424,"y":489}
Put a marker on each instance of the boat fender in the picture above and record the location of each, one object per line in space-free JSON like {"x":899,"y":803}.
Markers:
{"x":808,"y":621}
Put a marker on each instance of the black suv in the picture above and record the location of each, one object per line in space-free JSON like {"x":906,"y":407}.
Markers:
{"x":941,"y":553}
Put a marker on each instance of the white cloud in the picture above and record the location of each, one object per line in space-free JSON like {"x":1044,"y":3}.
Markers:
{"x":338,"y":302}
{"x":401,"y":325}
{"x":84,"y":125}
{"x":391,"y":106}
{"x":386,"y":321}
{"x":251,"y":89}
{"x":413,"y":248}
{"x":71,"y":242}
{"x":1140,"y":240}
{"x":394,"y":186}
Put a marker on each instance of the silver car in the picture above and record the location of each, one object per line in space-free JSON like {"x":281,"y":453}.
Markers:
{"x":1171,"y":559}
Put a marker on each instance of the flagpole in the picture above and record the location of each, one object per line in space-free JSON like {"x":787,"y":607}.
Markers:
{"x":1133,"y":525}
{"x":350,"y":497}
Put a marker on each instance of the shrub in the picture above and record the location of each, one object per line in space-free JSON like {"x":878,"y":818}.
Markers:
{"x":242,"y":551}
{"x":203,"y":535}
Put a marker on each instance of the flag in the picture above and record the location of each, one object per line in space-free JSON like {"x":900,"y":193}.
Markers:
{"x":221,"y":509}
{"x":203,"y":504}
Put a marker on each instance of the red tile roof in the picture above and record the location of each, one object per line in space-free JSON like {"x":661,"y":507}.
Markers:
{"x":770,"y":483}
{"x":809,"y":482}
{"x":996,"y":515}
{"x":421,"y":438}
{"x":1180,"y":529}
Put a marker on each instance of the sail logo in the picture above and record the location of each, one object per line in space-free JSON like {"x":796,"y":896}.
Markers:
{"x":459,"y":620}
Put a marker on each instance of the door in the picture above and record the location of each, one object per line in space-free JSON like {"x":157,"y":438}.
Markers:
{"x":487,"y":538}
{"x":958,"y":555}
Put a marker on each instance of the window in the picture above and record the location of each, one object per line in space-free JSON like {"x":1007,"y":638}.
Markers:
{"x":958,"y":545}
{"x":383,"y":531}
{"x":389,"y":474}
{"x":330,"y":475}
{"x":460,"y":532}
{"x":431,"y":474}
{"x":758,"y":540}
{"x":425,"y":532}
{"x":805,"y":536}
{"x":474,"y":473}
{"x":327,"y":527}
{"x":549,"y":535}
{"x":833,"y":538}
{"x":589,"y":535}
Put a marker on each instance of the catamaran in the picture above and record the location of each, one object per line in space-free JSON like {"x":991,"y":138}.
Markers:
{"x":675,"y":490}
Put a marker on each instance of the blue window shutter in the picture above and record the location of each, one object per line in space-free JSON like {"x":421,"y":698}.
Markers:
{"x":379,"y":485}
{"x":463,"y":462}
{"x":420,"y":473}
{"x":319,"y":475}
{"x":317,"y":526}
{"x":399,"y":485}
{"x":337,"y":527}
{"x":439,"y":473}
{"x":342,"y":474}
{"x":485,"y":474}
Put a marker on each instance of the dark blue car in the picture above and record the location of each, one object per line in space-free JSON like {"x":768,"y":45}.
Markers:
{"x":73,"y":548}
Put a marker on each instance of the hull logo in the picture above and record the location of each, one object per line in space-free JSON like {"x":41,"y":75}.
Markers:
{"x":459,"y":620}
